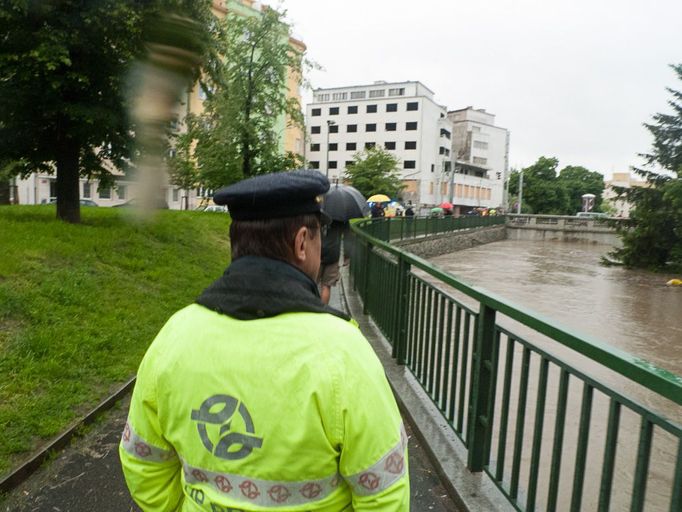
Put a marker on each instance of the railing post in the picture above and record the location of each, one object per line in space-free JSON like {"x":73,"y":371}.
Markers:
{"x":403,"y":297}
{"x":480,"y":406}
{"x":365,"y":283}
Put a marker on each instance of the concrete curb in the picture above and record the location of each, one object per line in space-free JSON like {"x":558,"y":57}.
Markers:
{"x":474,"y":492}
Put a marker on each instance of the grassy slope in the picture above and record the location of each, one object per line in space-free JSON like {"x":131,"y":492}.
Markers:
{"x":80,"y":304}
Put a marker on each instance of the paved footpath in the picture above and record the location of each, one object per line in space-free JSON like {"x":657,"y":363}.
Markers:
{"x":86,"y":477}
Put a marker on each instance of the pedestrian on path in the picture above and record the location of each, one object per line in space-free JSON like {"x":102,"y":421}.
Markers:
{"x":260,"y":396}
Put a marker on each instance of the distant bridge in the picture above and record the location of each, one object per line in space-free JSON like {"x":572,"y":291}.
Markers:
{"x":563,"y":228}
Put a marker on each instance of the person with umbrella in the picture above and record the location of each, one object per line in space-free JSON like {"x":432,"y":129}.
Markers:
{"x":341,"y":203}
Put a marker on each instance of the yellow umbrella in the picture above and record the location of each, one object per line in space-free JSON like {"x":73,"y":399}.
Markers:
{"x":378,"y":198}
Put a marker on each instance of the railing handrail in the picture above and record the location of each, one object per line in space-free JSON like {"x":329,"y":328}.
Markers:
{"x":641,"y":371}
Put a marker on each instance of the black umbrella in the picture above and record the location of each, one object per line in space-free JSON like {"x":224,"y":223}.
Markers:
{"x":344,"y":202}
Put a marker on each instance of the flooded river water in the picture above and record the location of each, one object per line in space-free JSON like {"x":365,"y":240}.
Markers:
{"x":631,"y":310}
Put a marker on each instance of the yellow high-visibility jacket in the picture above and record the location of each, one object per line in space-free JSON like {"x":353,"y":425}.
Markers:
{"x":287,"y":413}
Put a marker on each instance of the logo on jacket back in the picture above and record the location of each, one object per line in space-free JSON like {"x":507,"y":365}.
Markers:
{"x":217,"y":417}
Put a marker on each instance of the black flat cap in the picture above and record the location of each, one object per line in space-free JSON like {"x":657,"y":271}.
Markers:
{"x":276,"y":195}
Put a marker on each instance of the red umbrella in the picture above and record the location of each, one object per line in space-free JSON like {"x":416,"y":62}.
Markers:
{"x":446,"y":206}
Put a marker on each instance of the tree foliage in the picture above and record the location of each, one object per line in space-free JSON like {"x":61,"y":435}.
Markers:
{"x":375,"y":171}
{"x":550,"y":193}
{"x":237,"y":136}
{"x":63,"y":71}
{"x":653,"y":237}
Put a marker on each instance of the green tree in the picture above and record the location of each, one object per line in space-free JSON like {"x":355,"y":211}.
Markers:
{"x":375,"y":171}
{"x":63,"y":67}
{"x":577,"y":181}
{"x":542,"y":192}
{"x":653,"y":237}
{"x":246,"y":87}
{"x":182,"y":166}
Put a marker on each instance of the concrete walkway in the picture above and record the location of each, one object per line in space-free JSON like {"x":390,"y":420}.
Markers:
{"x":86,"y":477}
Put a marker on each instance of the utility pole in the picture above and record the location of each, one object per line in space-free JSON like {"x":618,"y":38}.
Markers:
{"x":451,"y":198}
{"x":518,"y":209}
{"x":330,"y":123}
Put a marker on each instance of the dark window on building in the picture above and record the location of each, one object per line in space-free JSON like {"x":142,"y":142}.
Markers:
{"x":104,"y":193}
{"x":314,"y":147}
{"x":410,"y":144}
{"x":441,"y":150}
{"x":370,"y":145}
{"x":413,"y":105}
{"x":371,"y":109}
{"x":351,"y":146}
{"x":370,"y":127}
{"x":391,"y":127}
{"x":86,"y":190}
{"x":412,"y":125}
{"x":409,"y":164}
{"x":317,"y":112}
{"x":353,"y":109}
{"x":444,"y":133}
{"x":332,"y":164}
{"x":389,"y":145}
{"x":334,"y":128}
{"x":333,"y":146}
{"x":314,"y":129}
{"x":391,"y":107}
{"x":352,"y":128}
{"x":315,"y":165}
{"x":333,"y":111}
{"x":350,"y":163}
{"x":433,"y":167}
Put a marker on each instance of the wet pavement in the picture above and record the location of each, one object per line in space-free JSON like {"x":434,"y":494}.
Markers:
{"x":86,"y":476}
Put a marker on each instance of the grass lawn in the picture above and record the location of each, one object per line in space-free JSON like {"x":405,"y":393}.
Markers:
{"x":79,"y":304}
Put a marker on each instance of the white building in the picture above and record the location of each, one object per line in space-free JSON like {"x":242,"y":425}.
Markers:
{"x":621,"y":180}
{"x":402,"y":117}
{"x":481,"y":150}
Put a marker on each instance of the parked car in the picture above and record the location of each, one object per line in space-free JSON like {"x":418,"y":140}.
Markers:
{"x":160,"y":204}
{"x":215,"y":208}
{"x":83,"y":202}
{"x":591,"y":215}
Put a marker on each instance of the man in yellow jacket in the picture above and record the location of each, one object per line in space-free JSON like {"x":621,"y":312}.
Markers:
{"x":259,"y":396}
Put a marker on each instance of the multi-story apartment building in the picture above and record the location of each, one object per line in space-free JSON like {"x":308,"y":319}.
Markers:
{"x":401,"y":117}
{"x":481,"y":152}
{"x":621,"y":180}
{"x":40,"y":187}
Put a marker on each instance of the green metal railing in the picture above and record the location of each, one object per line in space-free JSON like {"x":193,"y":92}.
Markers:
{"x":529,"y":408}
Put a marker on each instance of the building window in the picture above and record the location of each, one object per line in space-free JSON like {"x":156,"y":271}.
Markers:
{"x":314,"y":164}
{"x":357,"y":95}
{"x":400,"y":91}
{"x":479,"y":144}
{"x":433,"y":167}
{"x":333,"y":111}
{"x":322,"y":97}
{"x":314,"y":129}
{"x":316,"y":112}
{"x":480,"y":161}
{"x":441,"y":150}
{"x":412,"y":125}
{"x":350,"y":163}
{"x":413,"y":105}
{"x":86,"y":190}
{"x":353,"y":109}
{"x":176,"y":195}
{"x":333,"y":128}
{"x":391,"y":107}
{"x":409,"y":164}
{"x":391,"y":127}
{"x":339,"y":96}
{"x":444,"y":133}
{"x":369,"y":145}
{"x":352,"y":128}
{"x":333,"y":146}
{"x":371,"y":127}
{"x":314,"y":147}
{"x":371,"y":109}
{"x":377,"y":93}
{"x":351,"y":146}
{"x":332,"y":164}
{"x":121,"y":191}
{"x":410,"y":144}
{"x":104,"y":192}
{"x":389,"y":145}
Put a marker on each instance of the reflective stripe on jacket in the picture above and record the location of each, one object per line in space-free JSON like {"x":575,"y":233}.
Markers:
{"x":291,"y":412}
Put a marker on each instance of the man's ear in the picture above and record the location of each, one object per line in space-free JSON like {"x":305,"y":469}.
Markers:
{"x":300,"y":241}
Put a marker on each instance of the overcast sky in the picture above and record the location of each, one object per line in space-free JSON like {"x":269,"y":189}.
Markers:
{"x":571,"y":79}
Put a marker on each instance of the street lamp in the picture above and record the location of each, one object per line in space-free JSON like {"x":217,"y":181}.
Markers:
{"x":330,"y":123}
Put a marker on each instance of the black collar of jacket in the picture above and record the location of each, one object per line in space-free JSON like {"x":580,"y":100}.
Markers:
{"x":253,"y":287}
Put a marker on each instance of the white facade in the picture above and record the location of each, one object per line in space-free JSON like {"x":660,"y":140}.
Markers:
{"x":621,"y":180}
{"x":481,"y":150}
{"x":401,"y":117}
